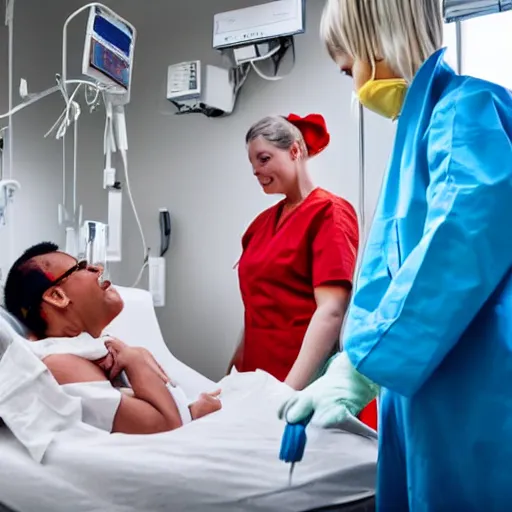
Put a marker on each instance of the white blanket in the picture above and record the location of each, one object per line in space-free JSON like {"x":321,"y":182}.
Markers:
{"x":225,"y":462}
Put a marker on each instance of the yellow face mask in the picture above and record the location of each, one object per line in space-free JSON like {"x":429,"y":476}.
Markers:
{"x":385,"y":97}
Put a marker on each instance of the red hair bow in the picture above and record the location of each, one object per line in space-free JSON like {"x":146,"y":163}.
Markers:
{"x":314,"y":131}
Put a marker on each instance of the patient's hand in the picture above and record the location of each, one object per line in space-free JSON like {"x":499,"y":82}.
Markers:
{"x":206,"y":404}
{"x":114,"y":363}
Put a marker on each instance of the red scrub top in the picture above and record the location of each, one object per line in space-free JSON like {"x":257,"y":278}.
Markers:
{"x":280,"y":267}
{"x":315,"y":245}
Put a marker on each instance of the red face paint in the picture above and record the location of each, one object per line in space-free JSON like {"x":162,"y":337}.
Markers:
{"x":50,"y":276}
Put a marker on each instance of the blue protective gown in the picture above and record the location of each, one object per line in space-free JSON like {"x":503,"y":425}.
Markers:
{"x":431,"y":319}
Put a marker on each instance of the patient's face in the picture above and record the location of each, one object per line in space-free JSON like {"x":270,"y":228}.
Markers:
{"x":93,"y":304}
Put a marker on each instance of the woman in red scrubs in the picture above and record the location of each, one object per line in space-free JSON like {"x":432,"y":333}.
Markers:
{"x":298,"y":258}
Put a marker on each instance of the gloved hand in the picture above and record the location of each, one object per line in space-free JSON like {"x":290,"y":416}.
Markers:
{"x":341,"y":392}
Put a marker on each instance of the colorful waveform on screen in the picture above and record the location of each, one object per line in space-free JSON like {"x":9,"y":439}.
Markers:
{"x":110,"y":64}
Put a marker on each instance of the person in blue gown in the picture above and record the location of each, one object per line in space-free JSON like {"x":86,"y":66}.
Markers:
{"x":430,"y":321}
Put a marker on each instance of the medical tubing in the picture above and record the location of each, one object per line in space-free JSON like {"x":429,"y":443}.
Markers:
{"x":46,"y":93}
{"x":106,"y":144}
{"x":124,"y":158}
{"x":64,"y":173}
{"x":265,"y":57}
{"x":75,"y":165}
{"x":64,"y":120}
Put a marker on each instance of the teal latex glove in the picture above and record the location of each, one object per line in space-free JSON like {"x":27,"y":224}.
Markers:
{"x":342,"y":391}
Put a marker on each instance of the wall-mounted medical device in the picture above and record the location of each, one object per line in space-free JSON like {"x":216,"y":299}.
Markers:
{"x":460,"y":10}
{"x":165,"y":230}
{"x":109,"y":52}
{"x":250,"y":37}
{"x":264,"y":22}
{"x":208,"y":90}
{"x":157,"y":265}
{"x":260,"y":34}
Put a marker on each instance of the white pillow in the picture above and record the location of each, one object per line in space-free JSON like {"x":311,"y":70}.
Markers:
{"x":17,"y":326}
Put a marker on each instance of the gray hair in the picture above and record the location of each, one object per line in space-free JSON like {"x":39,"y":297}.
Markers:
{"x":402,"y":32}
{"x":278,"y":131}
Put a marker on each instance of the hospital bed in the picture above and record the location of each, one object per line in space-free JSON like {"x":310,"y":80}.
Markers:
{"x":224,"y":462}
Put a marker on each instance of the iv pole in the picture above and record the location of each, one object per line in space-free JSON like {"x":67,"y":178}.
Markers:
{"x":362,"y":174}
{"x":458,"y":44}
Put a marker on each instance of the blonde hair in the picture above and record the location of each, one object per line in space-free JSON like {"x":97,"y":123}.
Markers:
{"x":279,"y":132}
{"x":404,"y":33}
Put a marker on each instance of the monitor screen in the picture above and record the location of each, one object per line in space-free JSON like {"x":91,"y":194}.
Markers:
{"x":109,"y":63}
{"x":108,"y":53}
{"x":112,"y":31}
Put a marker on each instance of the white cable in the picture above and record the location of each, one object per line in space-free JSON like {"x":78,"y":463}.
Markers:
{"x":265,"y":57}
{"x":240,"y":83}
{"x":271,"y":53}
{"x":46,"y":93}
{"x":265,"y":77}
{"x":141,"y":273}
{"x":107,"y":151}
{"x":75,"y":165}
{"x":64,"y":175}
{"x":64,"y":119}
{"x":124,"y":158}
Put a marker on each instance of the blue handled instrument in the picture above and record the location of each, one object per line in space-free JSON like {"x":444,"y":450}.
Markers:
{"x":293,"y":444}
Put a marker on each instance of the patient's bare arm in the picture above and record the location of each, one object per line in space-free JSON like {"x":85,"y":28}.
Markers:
{"x":152,"y":408}
{"x":148,"y":387}
{"x":207,"y":402}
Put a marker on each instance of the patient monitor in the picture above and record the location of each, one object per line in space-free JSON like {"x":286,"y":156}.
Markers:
{"x":108,"y":52}
{"x":259,"y":23}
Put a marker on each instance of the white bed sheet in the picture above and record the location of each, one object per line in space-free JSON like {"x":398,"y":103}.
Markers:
{"x":137,"y":325}
{"x":225,"y":462}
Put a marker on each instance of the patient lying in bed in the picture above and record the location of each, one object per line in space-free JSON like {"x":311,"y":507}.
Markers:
{"x":99,"y":370}
{"x":67,"y":307}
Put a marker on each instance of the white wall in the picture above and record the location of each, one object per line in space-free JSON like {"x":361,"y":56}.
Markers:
{"x":37,"y":161}
{"x":196,"y":167}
